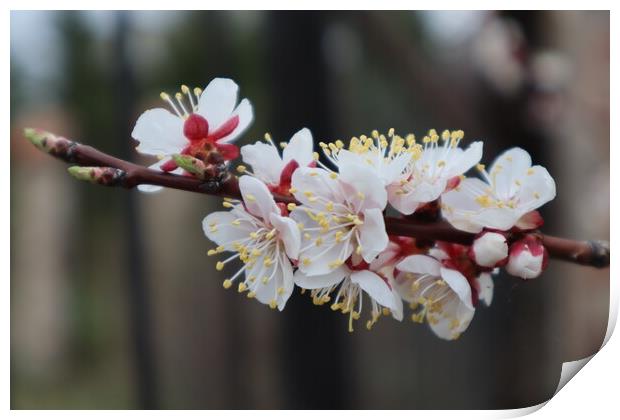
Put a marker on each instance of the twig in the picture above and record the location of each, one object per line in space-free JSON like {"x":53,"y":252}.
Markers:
{"x":101,"y":168}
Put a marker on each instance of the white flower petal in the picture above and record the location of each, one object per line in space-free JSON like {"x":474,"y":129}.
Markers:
{"x":265,"y":161}
{"x":536,"y":189}
{"x":373,"y":237}
{"x":217,"y":101}
{"x":508,"y":167}
{"x":257,"y":197}
{"x":159,"y":133}
{"x":453,"y":321}
{"x":362,"y":187}
{"x":310,"y":183}
{"x":467,"y":159}
{"x":404,"y":203}
{"x":420,"y":264}
{"x":376,"y":287}
{"x":318,"y":282}
{"x":300,"y":148}
{"x":459,"y":284}
{"x":219,"y":228}
{"x":288,"y":233}
{"x":485,"y":282}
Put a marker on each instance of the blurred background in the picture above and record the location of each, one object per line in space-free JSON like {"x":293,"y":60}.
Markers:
{"x":114,"y":303}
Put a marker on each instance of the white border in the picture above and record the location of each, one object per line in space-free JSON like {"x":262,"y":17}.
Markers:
{"x":593,"y":394}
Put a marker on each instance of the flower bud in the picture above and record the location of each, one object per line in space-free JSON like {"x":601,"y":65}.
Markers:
{"x":527,"y":259}
{"x":109,"y":177}
{"x":489,"y":249}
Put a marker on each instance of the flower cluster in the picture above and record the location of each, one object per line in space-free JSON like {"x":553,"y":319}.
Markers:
{"x":319,"y":225}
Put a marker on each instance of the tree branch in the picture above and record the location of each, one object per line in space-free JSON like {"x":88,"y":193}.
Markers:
{"x":101,"y":168}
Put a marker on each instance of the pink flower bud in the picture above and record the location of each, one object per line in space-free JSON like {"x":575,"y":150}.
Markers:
{"x":527,"y":259}
{"x":489,"y":249}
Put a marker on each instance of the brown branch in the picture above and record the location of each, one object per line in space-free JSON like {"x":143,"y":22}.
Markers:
{"x":101,"y":168}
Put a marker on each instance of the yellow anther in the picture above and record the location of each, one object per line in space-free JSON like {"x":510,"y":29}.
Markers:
{"x":197,"y":91}
{"x":227,"y":283}
{"x":250,"y":197}
{"x":360,"y":195}
{"x":333,"y":175}
{"x":251,"y":295}
{"x":164,"y":96}
{"x":256,"y":252}
{"x":242,"y":287}
{"x":253,"y":235}
{"x":441,"y":163}
{"x":484,"y":200}
{"x":235,"y":222}
{"x":391,"y":132}
{"x":386,"y":311}
{"x":213,"y":229}
{"x":530,"y":171}
{"x":306,"y":261}
{"x":273,"y":304}
{"x":301,"y":226}
{"x":329,"y":206}
{"x":358,"y":250}
{"x":267,"y":262}
{"x":227,"y":204}
{"x":283,"y":144}
{"x":369,"y":325}
{"x":211,"y":252}
{"x":291,"y":206}
{"x":268,"y":137}
{"x":319,"y":241}
{"x":335,"y":306}
{"x":184,"y":89}
{"x":271,"y":234}
{"x":308,"y":194}
{"x":307,"y":236}
{"x":241,"y":168}
{"x":480,"y":167}
{"x":338,"y":236}
{"x":315,"y":156}
{"x":292,"y":190}
{"x":336,"y":263}
{"x":178,"y":95}
{"x":375,"y":134}
{"x":536,"y":195}
{"x":219,"y":266}
{"x":280,"y":290}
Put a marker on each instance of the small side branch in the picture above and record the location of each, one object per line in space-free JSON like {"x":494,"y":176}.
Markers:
{"x":97,"y":167}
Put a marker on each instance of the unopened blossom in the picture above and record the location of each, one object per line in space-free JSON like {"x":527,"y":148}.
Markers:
{"x":344,"y":289}
{"x":435,"y":286}
{"x":200,"y":122}
{"x":435,"y":167}
{"x":527,"y":258}
{"x":489,"y":249}
{"x":340,"y":214}
{"x":261,"y":237}
{"x":274,"y":170}
{"x":507,"y":195}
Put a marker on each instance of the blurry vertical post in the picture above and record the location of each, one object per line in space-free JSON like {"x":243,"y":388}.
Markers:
{"x":138,"y":296}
